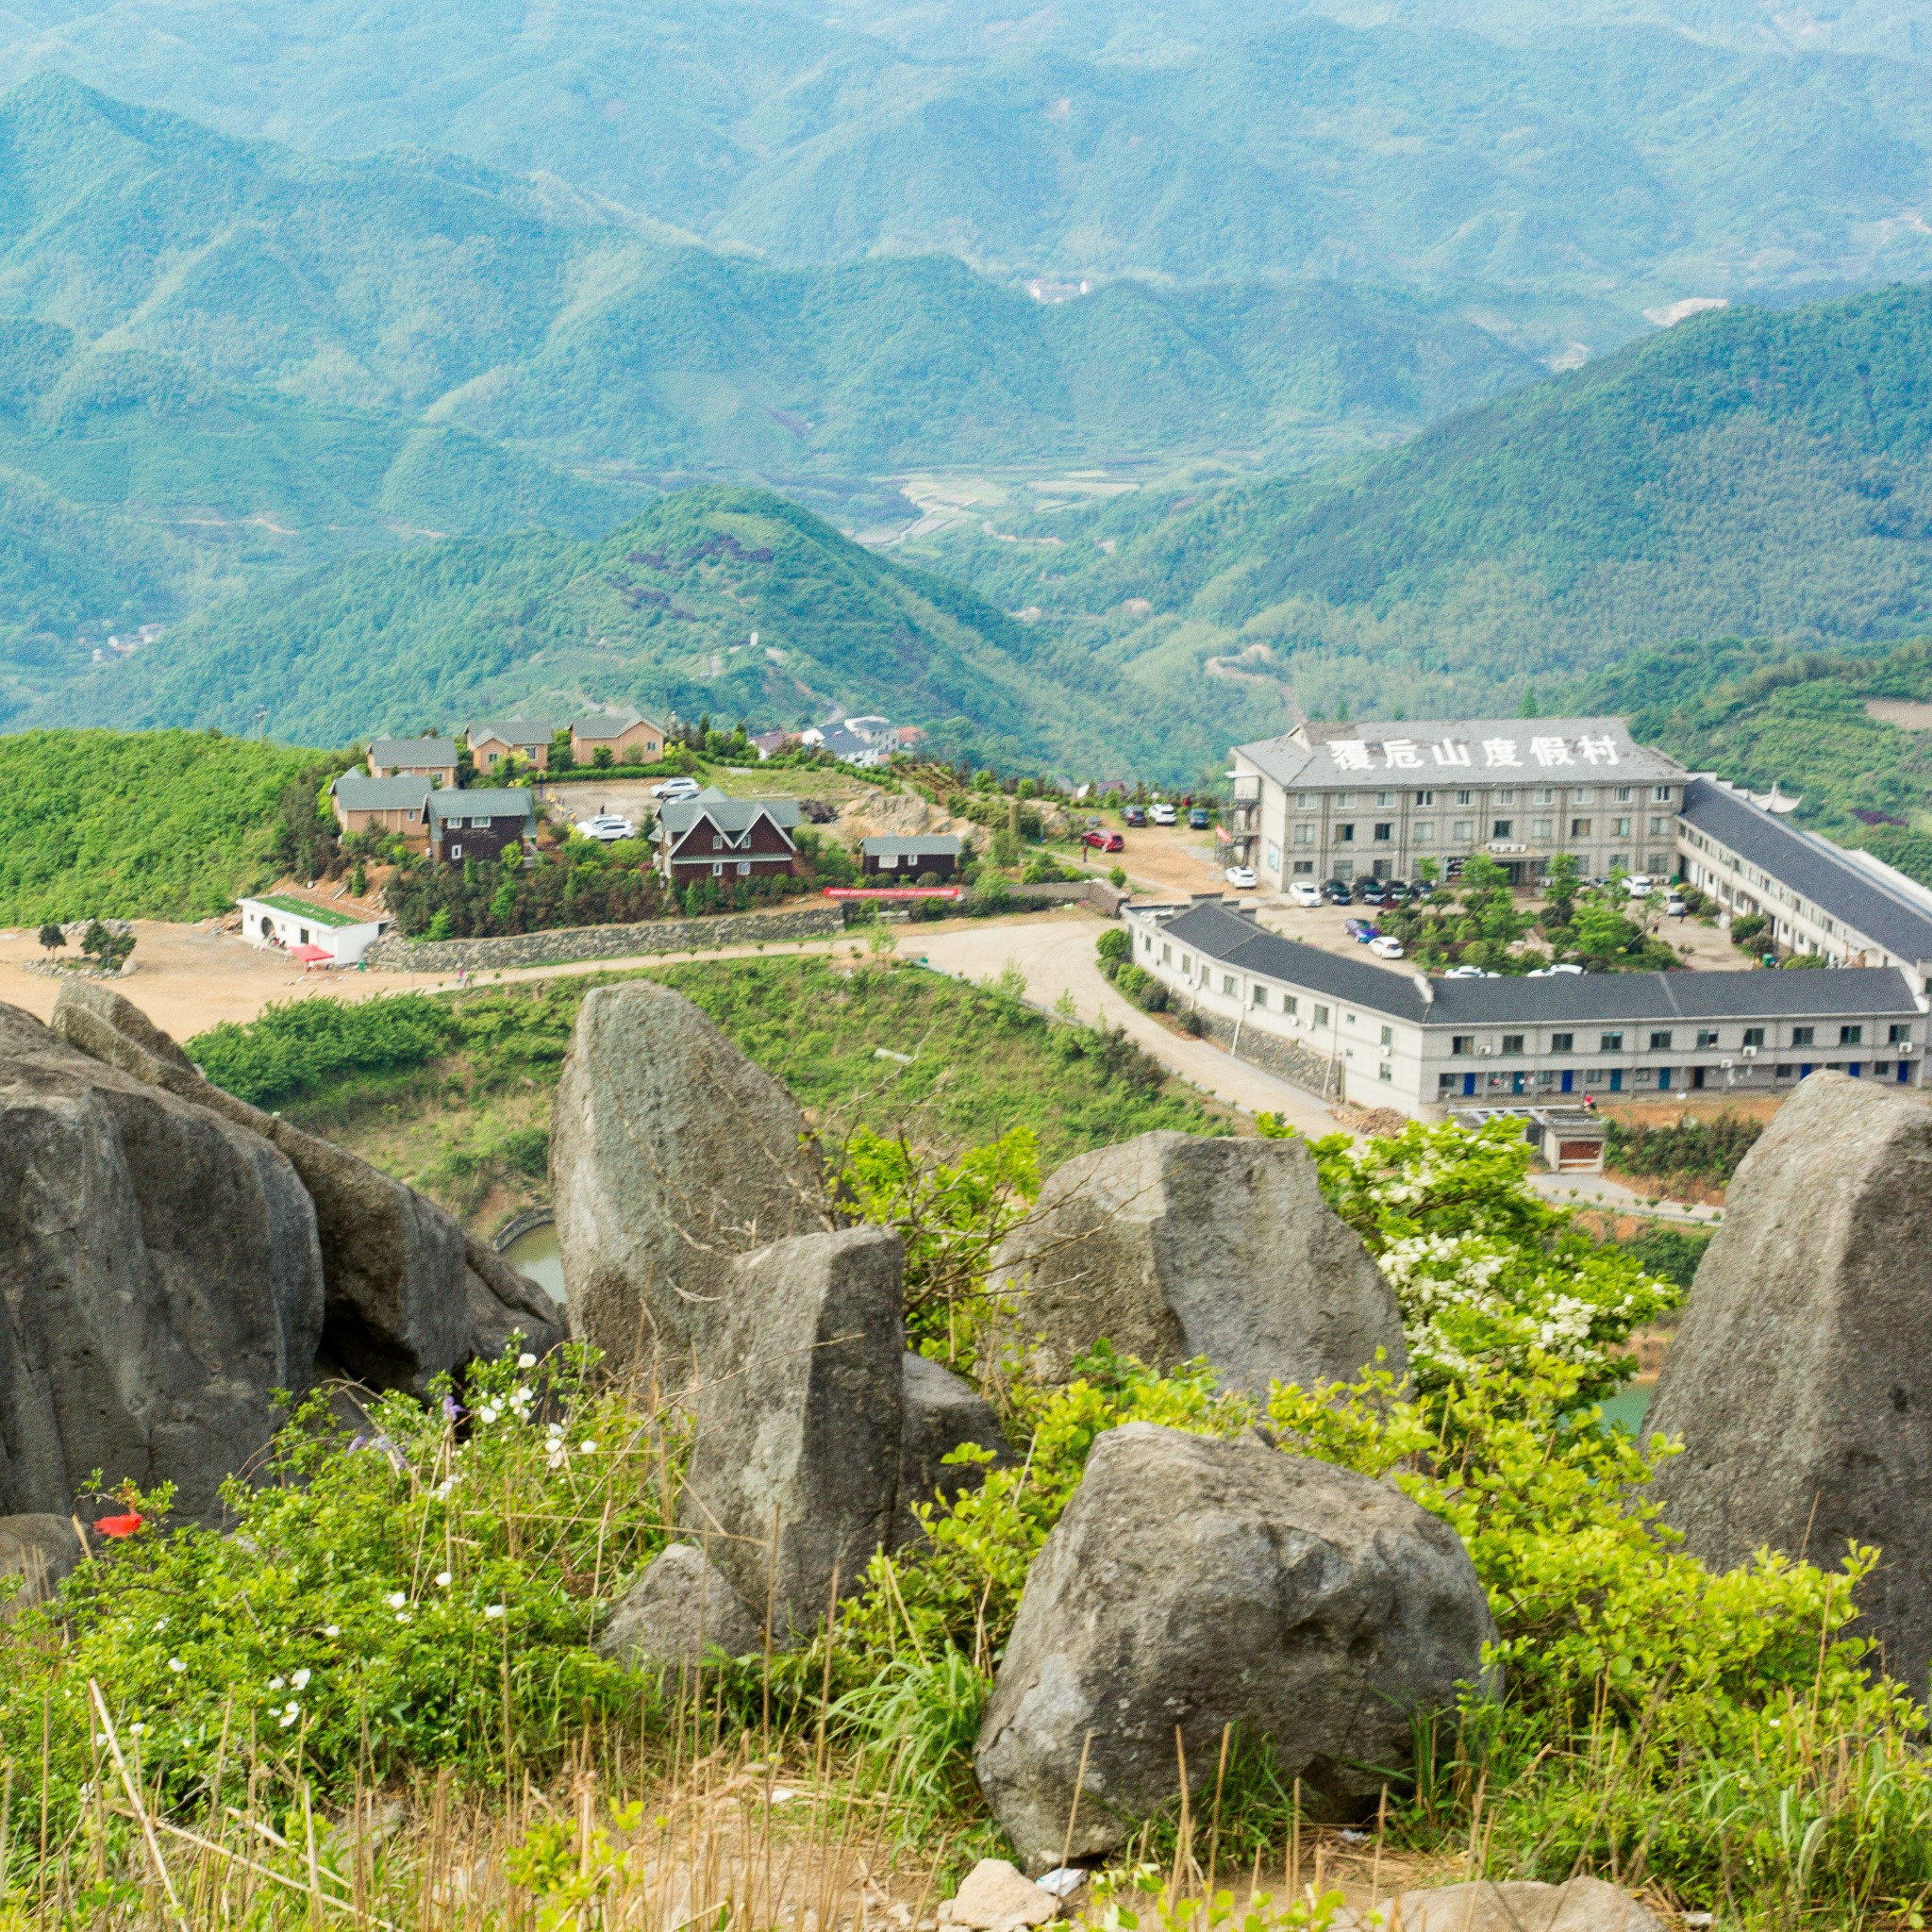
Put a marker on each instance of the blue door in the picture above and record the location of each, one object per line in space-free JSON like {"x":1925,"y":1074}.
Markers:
{"x":1855,"y":1070}
{"x":1804,"y":1069}
{"x":1616,"y":1079}
{"x":1905,"y":1073}
{"x":1469,"y":1083}
{"x":1516,"y":1083}
{"x":1569,"y":1079}
{"x":1663,"y":1078}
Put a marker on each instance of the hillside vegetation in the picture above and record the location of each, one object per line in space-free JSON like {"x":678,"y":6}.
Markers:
{"x":726,"y":600}
{"x":1754,"y":473}
{"x":164,"y":825}
{"x":1760,"y":716}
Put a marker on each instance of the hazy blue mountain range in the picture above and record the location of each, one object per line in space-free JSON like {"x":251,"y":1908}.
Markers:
{"x":731,"y":601}
{"x":1754,"y":473}
{"x":1566,"y":166}
{"x":414,"y":281}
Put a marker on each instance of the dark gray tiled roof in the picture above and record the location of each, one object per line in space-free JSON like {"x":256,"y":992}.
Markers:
{"x":605,"y":723}
{"x":358,"y":791}
{"x":940,"y":844}
{"x":414,"y":751}
{"x":514,"y":731}
{"x":1811,"y":867}
{"x":736,"y":816}
{"x":496,"y":802}
{"x":1587,"y":998}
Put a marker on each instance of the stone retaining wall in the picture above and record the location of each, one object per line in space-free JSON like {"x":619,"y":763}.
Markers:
{"x":1103,"y":897}
{"x":566,"y":943}
{"x":1286,"y":1059}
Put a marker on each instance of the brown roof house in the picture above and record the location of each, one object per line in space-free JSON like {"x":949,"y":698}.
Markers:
{"x":480,"y":824}
{"x":902,"y":861}
{"x":395,"y":806}
{"x":434,"y":758}
{"x":728,"y":838}
{"x":527,"y":739}
{"x":630,"y":737}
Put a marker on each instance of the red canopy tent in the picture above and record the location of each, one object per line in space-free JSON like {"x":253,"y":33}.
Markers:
{"x":311,"y":955}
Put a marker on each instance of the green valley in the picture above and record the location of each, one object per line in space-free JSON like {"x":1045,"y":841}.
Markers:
{"x":1756,"y":473}
{"x":724,"y":600}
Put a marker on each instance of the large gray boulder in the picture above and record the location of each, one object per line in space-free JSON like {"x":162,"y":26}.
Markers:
{"x":941,"y":1412}
{"x":796,"y":1431}
{"x":1195,"y":1583}
{"x":671,"y":1155}
{"x":677,"y":1614}
{"x":1800,"y":1381}
{"x":38,"y":1551}
{"x":160,"y":1277}
{"x":407,"y":1294}
{"x":1517,"y":1904}
{"x":1171,"y":1245}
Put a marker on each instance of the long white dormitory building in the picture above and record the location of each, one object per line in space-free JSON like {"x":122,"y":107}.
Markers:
{"x":1350,"y":1029}
{"x":1326,"y":802}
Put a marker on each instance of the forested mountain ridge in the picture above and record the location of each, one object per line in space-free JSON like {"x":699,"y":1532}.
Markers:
{"x":1752,"y":472}
{"x":1569,"y":166}
{"x":418,"y":282}
{"x":726,"y":600}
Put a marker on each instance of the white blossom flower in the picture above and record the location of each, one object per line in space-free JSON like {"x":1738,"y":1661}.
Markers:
{"x":442,"y":1579}
{"x":291,"y":1712}
{"x":397,"y":1599}
{"x":300,"y":1680}
{"x":489,"y":1411}
{"x":331,"y":1630}
{"x":526,"y":1360}
{"x":175,"y":1664}
{"x":140,"y":1731}
{"x":278,"y":1683}
{"x":403,"y":1615}
{"x":587,"y":1446}
{"x":493,"y":1610}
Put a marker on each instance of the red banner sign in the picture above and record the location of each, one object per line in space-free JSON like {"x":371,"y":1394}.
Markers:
{"x":893,"y":892}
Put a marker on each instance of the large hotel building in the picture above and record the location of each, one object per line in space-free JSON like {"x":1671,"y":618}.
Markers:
{"x":1351,"y":801}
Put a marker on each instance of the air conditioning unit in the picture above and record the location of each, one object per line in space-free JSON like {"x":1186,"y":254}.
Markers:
{"x":1486,"y":1051}
{"x":1905,"y":1046}
{"x":1750,"y":1054}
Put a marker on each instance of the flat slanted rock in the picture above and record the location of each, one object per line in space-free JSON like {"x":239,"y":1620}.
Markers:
{"x":671,"y":1155}
{"x":1800,"y":1380}
{"x":1171,"y":1246}
{"x":1194,"y":1584}
{"x":407,"y":1294}
{"x":797,"y":1429}
{"x":677,"y":1614}
{"x":159,"y":1278}
{"x":942,"y":1412}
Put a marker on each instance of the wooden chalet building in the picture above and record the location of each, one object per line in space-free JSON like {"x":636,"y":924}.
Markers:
{"x":434,"y":758}
{"x":903,"y":861}
{"x":727,"y":838}
{"x":480,"y":823}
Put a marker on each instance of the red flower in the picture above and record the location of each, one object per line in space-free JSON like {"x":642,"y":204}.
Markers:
{"x":118,"y":1526}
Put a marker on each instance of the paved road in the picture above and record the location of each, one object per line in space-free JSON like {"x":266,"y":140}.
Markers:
{"x":1055,"y":954}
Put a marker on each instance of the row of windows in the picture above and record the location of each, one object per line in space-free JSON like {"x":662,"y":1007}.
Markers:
{"x":1506,"y":794}
{"x":1663,"y":1039}
{"x":1463,"y":830}
{"x":1382,"y":868}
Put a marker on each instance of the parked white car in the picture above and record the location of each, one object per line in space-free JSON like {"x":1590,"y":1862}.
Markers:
{"x":1386,"y":946}
{"x":1639,"y":885}
{"x":1161,"y":814}
{"x":1465,"y":972}
{"x":1304,"y":893}
{"x":606,"y":826}
{"x":1240,"y":878}
{"x":674,"y":788}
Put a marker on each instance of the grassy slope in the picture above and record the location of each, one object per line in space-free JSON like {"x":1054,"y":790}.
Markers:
{"x":467,"y":1116}
{"x":166,"y":824}
{"x":661,"y":614}
{"x":1754,"y":472}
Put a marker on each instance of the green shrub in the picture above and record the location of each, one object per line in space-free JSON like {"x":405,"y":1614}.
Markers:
{"x":1701,"y":1151}
{"x":293,"y":1047}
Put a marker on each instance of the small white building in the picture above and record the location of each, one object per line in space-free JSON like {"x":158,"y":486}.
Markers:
{"x":316,"y":935}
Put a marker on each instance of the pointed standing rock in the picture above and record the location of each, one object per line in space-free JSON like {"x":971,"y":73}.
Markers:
{"x":1173,"y":1245}
{"x":1800,"y":1380}
{"x":671,"y":1155}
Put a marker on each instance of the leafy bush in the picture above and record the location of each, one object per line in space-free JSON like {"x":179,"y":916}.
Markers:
{"x":1688,"y":1151}
{"x":418,"y":1597}
{"x":1489,"y":1274}
{"x":293,"y":1047}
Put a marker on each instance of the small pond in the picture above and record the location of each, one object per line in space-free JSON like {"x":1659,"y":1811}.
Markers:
{"x":1627,"y":1407}
{"x":534,"y":1253}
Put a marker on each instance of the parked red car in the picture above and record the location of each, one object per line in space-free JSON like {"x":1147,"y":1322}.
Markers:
{"x":1104,"y":840}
